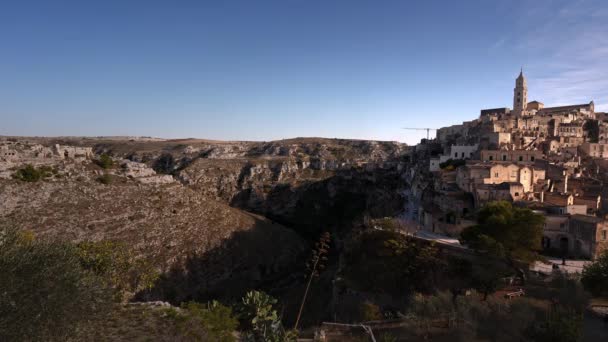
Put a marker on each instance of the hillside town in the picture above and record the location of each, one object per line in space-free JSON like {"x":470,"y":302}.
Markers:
{"x":552,"y":160}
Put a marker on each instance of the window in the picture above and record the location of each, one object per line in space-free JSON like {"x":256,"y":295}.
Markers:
{"x":603,"y":235}
{"x":562,"y":225}
{"x":455,"y":154}
{"x":504,"y":157}
{"x":521,"y":158}
{"x":495,"y":174}
{"x":532,"y":158}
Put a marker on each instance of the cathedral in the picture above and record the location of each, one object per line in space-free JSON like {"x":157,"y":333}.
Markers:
{"x":522,"y":109}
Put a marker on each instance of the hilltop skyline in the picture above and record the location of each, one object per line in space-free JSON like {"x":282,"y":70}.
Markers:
{"x":282,"y":69}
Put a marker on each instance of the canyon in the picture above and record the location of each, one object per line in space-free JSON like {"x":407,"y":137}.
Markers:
{"x":216,"y":218}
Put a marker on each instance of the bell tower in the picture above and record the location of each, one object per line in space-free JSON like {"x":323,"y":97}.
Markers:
{"x":520,"y":94}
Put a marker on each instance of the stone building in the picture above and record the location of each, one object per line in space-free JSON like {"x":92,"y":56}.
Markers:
{"x":499,"y":139}
{"x":586,"y":110}
{"x":595,"y":150}
{"x":534,"y":106}
{"x":574,"y":235}
{"x":494,"y":112}
{"x":572,"y":129}
{"x":454,"y":131}
{"x":523,"y":156}
{"x":73,"y":152}
{"x":506,"y":191}
{"x":469,"y":176}
{"x":556,"y":236}
{"x":603,"y":133}
{"x":463,"y":151}
{"x":589,"y":236}
{"x":456,"y":152}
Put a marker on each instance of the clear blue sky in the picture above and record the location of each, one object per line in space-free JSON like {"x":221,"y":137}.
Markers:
{"x":262,"y":70}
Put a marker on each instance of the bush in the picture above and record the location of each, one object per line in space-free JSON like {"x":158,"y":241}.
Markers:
{"x":105,"y":161}
{"x":560,"y":326}
{"x":105,"y":179}
{"x":164,"y":164}
{"x":389,"y":262}
{"x":260,"y":320}
{"x":452,"y":164}
{"x":45,"y":293}
{"x":210,"y":322}
{"x":369,"y":312}
{"x":595,"y":276}
{"x":117,"y":265}
{"x":31,"y":174}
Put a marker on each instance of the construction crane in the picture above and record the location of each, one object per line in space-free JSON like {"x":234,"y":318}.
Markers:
{"x":422,"y":129}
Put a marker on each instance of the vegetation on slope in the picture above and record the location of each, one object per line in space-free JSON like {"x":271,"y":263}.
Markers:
{"x":595,"y":276}
{"x":30,"y":173}
{"x":503,"y":230}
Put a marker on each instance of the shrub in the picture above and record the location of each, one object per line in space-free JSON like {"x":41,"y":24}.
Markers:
{"x":451,"y":164}
{"x":387,"y":337}
{"x":105,"y":161}
{"x":31,"y":174}
{"x":164,"y":164}
{"x":117,"y":265}
{"x":213,"y":322}
{"x":45,"y":294}
{"x":105,"y":179}
{"x":369,"y":312}
{"x":261,"y":321}
{"x":595,"y":276}
{"x":389,"y":262}
{"x":560,"y":326}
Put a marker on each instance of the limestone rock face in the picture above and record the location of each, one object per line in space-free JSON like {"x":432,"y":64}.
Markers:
{"x":167,"y":223}
{"x":206,"y":212}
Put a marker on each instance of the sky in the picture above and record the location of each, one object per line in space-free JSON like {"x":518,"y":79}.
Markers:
{"x":266,"y":70}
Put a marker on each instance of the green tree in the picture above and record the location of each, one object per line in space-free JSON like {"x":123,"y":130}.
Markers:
{"x":595,"y":276}
{"x":506,"y":231}
{"x":487,"y":275}
{"x":389,"y":262}
{"x":45,"y":294}
{"x":458,"y":275}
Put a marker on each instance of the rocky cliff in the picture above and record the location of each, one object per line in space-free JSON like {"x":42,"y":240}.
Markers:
{"x":217,"y":217}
